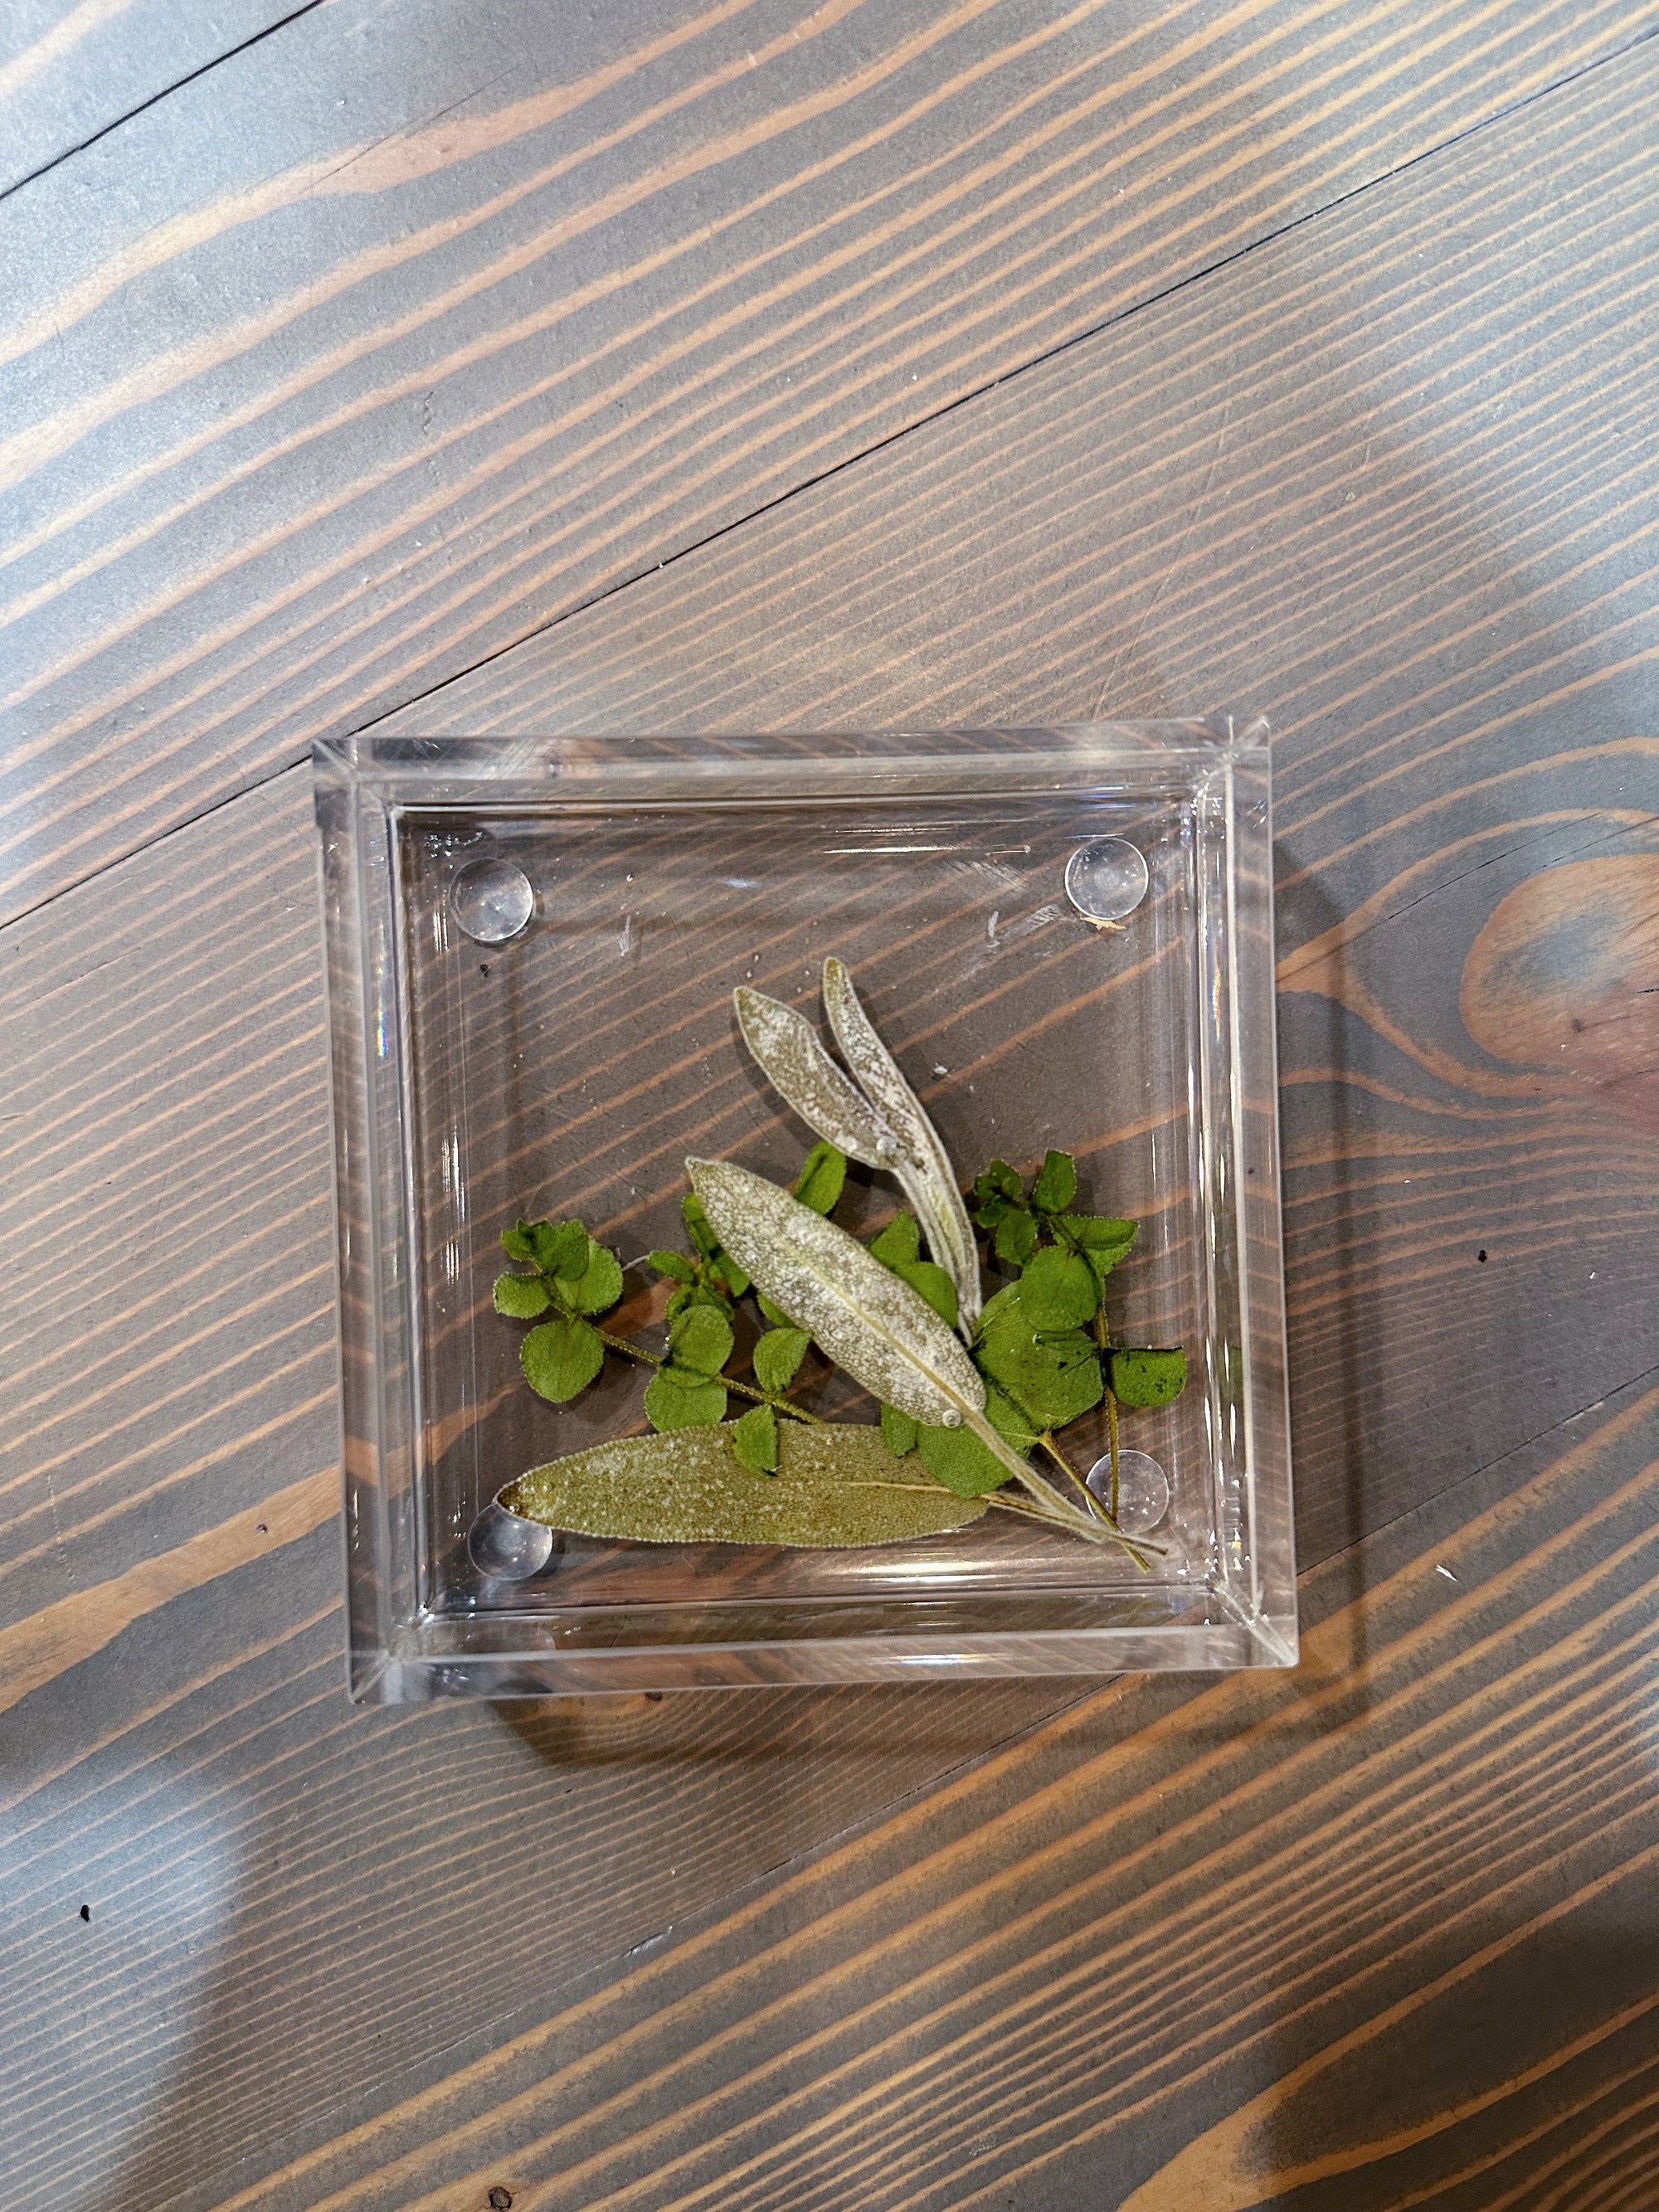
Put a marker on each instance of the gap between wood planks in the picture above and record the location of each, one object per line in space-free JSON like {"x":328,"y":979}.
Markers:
{"x":852,"y":460}
{"x":166,"y":92}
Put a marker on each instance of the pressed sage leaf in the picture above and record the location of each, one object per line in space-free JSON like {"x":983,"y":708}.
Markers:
{"x":700,"y":1339}
{"x":1058,"y":1290}
{"x":1148,"y":1378}
{"x":560,"y":1358}
{"x":959,"y":1460}
{"x":836,"y":1486}
{"x":683,"y":1398}
{"x":786,"y":1050}
{"x":867,"y":1321}
{"x":600,"y":1286}
{"x":755,"y":1440}
{"x":778,"y":1356}
{"x":1056,"y":1182}
{"x":820,"y":1182}
{"x":922,"y":1165}
{"x":898,"y":1432}
{"x":521,"y":1298}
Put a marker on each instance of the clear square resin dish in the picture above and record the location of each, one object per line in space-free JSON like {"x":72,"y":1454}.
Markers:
{"x":1065,"y":938}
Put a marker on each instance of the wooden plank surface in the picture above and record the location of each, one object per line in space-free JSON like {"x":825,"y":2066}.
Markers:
{"x":1375,"y":1936}
{"x":357,"y":359}
{"x":71,"y":69}
{"x":1379,"y":1932}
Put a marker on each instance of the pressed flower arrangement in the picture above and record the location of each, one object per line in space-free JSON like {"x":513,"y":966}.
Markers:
{"x":972,"y":1393}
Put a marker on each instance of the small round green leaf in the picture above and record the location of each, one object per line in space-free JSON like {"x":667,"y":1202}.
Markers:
{"x":1016,"y":1238}
{"x":560,"y":1358}
{"x":560,"y":1247}
{"x":674,"y":1264}
{"x":1012,"y":1422}
{"x":898,"y":1432}
{"x":520,"y":1298}
{"x":956,"y":1458}
{"x":678,"y":1398}
{"x":600,"y":1286}
{"x":700,"y":1339}
{"x":518,"y":1243}
{"x":932,"y":1283}
{"x":899,"y":1244}
{"x":755,"y":1440}
{"x":775,"y":1314}
{"x":1058,"y":1290}
{"x":1056,"y":1183}
{"x":819,"y":1183}
{"x":1148,"y":1378}
{"x":778,"y":1356}
{"x":1054,"y":1374}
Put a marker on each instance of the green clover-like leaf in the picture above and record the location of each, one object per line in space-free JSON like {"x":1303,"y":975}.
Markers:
{"x":674,"y":1264}
{"x":597,"y":1285}
{"x":1148,"y":1378}
{"x":520,"y":1298}
{"x":898,"y":1432}
{"x":560,"y":1358}
{"x":517,"y":1244}
{"x":681,"y":1398}
{"x":1055,"y":1375}
{"x":560,"y":1248}
{"x":956,"y":1458}
{"x":1016,"y":1238}
{"x":1102,"y":1242}
{"x":755,"y":1440}
{"x":709,"y":1246}
{"x":1058,"y":1290}
{"x":775,"y":1314}
{"x":819,"y":1183}
{"x":932,"y":1284}
{"x":700,"y":1339}
{"x":899,"y":1244}
{"x":1056,"y":1183}
{"x":778,"y":1356}
{"x":1012,"y":1422}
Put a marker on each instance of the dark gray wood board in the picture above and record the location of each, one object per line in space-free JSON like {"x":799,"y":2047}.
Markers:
{"x":176,"y":1751}
{"x":71,"y":69}
{"x":363,"y":356}
{"x":1374,"y":1934}
{"x":1390,"y":480}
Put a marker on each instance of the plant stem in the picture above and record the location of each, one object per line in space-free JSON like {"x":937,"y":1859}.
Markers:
{"x":1104,"y":1338}
{"x":744,"y":1389}
{"x":1052,"y":1505}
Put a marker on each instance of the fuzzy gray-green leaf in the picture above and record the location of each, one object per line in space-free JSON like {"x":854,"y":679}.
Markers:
{"x":922,"y":1164}
{"x":786,"y":1050}
{"x":867,"y":1322}
{"x":835,"y":1486}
